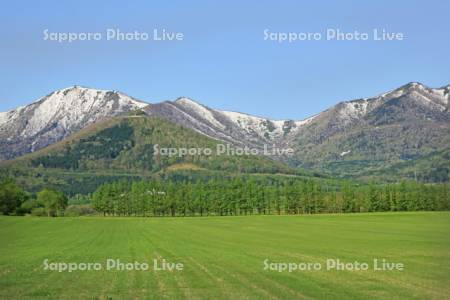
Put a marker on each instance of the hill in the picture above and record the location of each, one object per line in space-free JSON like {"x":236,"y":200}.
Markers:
{"x":125,"y":147}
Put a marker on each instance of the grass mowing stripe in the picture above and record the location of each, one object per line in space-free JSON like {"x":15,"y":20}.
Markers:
{"x":223,"y":256}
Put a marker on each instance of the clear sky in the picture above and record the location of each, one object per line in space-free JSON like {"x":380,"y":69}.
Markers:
{"x":223,"y":60}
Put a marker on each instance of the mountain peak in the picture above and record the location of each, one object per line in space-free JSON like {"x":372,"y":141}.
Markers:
{"x":187,"y":100}
{"x":80,"y":88}
{"x":411,"y":86}
{"x":59,"y":114}
{"x":415,"y":84}
{"x":76,"y":86}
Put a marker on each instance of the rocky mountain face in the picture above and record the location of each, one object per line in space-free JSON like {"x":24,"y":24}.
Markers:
{"x":233,"y":127}
{"x":365,"y":135}
{"x":63,"y":112}
{"x":56,"y":116}
{"x":353,"y":138}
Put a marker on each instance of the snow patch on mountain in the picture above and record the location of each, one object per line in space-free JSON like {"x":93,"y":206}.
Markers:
{"x":432,"y":103}
{"x":10,"y":116}
{"x":443,"y":94}
{"x":344,"y":153}
{"x":3,"y":117}
{"x":305,"y":121}
{"x":201,"y":110}
{"x":191,"y":118}
{"x":263,"y":127}
{"x":392,"y":94}
{"x":255,"y":125}
{"x":353,"y":109}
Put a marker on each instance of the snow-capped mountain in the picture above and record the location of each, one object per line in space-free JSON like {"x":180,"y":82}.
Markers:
{"x":413,"y":94}
{"x":56,"y":116}
{"x":402,"y":125}
{"x":405,"y":124}
{"x":411,"y":102}
{"x":233,"y":127}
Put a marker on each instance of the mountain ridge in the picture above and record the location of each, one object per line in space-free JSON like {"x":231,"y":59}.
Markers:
{"x":408,"y":122}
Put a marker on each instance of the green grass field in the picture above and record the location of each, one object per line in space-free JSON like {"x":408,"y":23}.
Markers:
{"x":223,"y":256}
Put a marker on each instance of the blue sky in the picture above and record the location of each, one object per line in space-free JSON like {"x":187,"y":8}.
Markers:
{"x":224,"y":61}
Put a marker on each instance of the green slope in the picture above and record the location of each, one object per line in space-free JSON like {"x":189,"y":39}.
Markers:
{"x":124,"y":147}
{"x":386,"y":152}
{"x":434,"y":167}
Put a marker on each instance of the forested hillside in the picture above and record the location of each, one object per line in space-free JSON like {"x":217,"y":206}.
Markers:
{"x":123,"y":147}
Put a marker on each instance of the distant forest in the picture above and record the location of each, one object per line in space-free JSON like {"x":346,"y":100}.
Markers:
{"x":225,"y":196}
{"x":251,"y":195}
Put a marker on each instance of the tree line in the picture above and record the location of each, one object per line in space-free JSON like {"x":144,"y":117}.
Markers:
{"x":245,"y":196}
{"x":15,"y":201}
{"x":240,"y":195}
